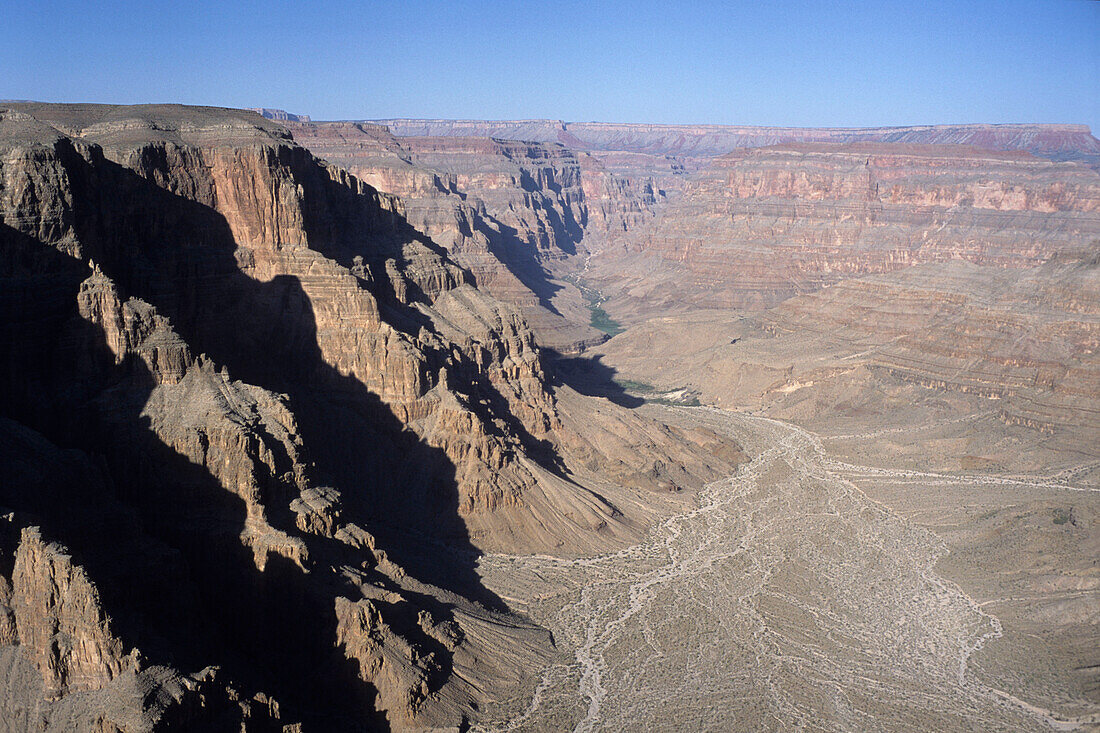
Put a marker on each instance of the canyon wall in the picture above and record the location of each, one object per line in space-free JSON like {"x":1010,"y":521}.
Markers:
{"x":1063,"y":142}
{"x":264,"y":370}
{"x":1025,"y":340}
{"x":703,"y":219}
{"x":756,"y":227}
{"x":275,"y":399}
{"x":506,"y":211}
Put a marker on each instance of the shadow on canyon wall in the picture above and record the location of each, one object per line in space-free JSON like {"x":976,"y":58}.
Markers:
{"x":589,"y":376}
{"x":203,"y":601}
{"x":522,"y":261}
{"x":523,"y":258}
{"x":492,"y":408}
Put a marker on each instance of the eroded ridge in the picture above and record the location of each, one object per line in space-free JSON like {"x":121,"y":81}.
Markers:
{"x":786,"y":601}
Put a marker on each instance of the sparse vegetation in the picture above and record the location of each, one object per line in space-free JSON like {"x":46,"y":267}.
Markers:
{"x":1062,"y":516}
{"x":602,"y":321}
{"x":629,"y":385}
{"x":674,"y":397}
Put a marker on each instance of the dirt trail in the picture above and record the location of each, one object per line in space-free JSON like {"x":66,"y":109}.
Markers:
{"x":786,"y":601}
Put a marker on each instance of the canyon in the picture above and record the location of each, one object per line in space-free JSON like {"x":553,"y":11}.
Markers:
{"x":1061,"y":141}
{"x":536,"y":425}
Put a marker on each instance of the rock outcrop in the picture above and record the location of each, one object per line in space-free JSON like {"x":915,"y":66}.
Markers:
{"x":1025,"y":340}
{"x":292,"y":397}
{"x":756,"y":227}
{"x":66,"y":665}
{"x":506,"y":211}
{"x":271,"y":385}
{"x":946,"y":343}
{"x":282,"y":115}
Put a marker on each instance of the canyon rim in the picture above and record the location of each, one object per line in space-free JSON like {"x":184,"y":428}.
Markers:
{"x":420,"y":424}
{"x":360,"y":372}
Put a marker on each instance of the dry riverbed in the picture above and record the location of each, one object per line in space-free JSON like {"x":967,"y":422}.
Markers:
{"x":788,"y":599}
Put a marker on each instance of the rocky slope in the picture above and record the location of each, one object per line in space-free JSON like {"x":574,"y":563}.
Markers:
{"x":963,"y":397}
{"x":533,"y":203}
{"x":756,"y":227}
{"x":244,"y":390}
{"x":506,"y":211}
{"x":1015,"y":345}
{"x":245,"y":387}
{"x":922,"y":298}
{"x":1027,"y":341}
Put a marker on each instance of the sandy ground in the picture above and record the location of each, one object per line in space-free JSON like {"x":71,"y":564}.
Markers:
{"x":825,"y":586}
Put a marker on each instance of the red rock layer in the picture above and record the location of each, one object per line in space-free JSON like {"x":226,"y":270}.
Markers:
{"x":1029,"y":340}
{"x":1067,"y":141}
{"x":758,"y":226}
{"x":504,"y":210}
{"x":288,"y":384}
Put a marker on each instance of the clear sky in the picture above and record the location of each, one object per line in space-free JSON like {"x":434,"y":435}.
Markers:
{"x":801,"y":63}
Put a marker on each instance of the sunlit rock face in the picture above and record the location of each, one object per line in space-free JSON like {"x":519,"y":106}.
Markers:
{"x":274,"y":394}
{"x":755,"y":227}
{"x":1026,"y":340}
{"x":1055,"y":141}
{"x":261,"y":371}
{"x":748,"y":216}
{"x":507,"y":211}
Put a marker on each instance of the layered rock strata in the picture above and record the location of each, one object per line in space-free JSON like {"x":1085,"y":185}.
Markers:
{"x":758,"y":226}
{"x":292,"y":399}
{"x":1026,"y":341}
{"x":940,"y":342}
{"x":506,"y":211}
{"x":1063,"y":142}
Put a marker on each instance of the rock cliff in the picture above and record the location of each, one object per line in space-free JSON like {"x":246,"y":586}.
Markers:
{"x":1062,"y":142}
{"x":758,"y":226}
{"x":271,"y":385}
{"x":506,"y":211}
{"x":923,"y":298}
{"x":1007,"y":356}
{"x":1024,"y":340}
{"x":276,"y":399}
{"x":279,"y":114}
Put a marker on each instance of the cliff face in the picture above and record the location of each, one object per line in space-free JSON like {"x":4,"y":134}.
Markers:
{"x":756,"y":227}
{"x":1025,"y":340}
{"x":288,"y":392}
{"x":624,"y":191}
{"x":256,"y":215}
{"x":987,"y":366}
{"x":1062,"y":142}
{"x":790,"y":210}
{"x":245,"y":387}
{"x":533,"y":189}
{"x":505,"y":211}
{"x":69,"y":663}
{"x":279,"y":114}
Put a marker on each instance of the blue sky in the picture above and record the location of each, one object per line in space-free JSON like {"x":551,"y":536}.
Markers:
{"x":765,"y":63}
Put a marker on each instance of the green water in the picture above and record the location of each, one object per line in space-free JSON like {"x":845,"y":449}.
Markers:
{"x":604,"y":322}
{"x":599,"y":318}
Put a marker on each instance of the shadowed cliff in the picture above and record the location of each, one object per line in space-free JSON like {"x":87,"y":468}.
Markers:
{"x":266,"y":611}
{"x":285,"y":423}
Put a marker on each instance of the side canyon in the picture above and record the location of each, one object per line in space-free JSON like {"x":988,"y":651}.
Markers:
{"x":534,"y":425}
